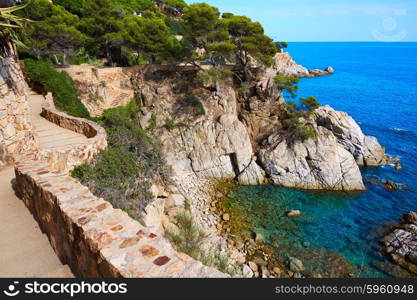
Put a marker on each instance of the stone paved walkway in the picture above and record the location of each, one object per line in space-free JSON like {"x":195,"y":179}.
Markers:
{"x":49,"y":134}
{"x":24,"y":250}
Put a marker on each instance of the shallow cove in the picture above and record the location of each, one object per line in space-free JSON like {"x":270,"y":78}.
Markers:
{"x":376,"y":84}
{"x":342,"y":223}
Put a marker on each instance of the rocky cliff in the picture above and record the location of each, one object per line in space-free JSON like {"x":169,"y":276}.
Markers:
{"x":16,"y":129}
{"x":235,"y":132}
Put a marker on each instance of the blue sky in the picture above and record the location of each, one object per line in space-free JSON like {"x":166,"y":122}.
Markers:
{"x":329,"y":20}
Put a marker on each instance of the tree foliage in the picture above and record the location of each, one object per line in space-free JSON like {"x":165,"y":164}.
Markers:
{"x":59,"y":84}
{"x":102,"y":22}
{"x":201,"y":19}
{"x":250,"y":41}
{"x":53,"y":33}
{"x":295,"y":116}
{"x":288,"y":83}
{"x":127,"y":32}
{"x":310,"y":103}
{"x":147,"y":36}
{"x":73,"y":6}
{"x":9,"y":24}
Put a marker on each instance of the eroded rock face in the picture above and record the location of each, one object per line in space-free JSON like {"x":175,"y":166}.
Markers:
{"x":316,"y":163}
{"x":401,"y":243}
{"x":220,"y":149}
{"x":366,"y":149}
{"x":102,"y":88}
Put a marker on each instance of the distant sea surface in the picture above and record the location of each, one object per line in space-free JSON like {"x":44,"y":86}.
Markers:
{"x":376,"y":83}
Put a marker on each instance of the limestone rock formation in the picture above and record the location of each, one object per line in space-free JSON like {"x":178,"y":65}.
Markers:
{"x":225,"y":141}
{"x":366,"y":149}
{"x":401,"y":243}
{"x":316,"y":163}
{"x":102,"y":88}
{"x":220,"y":149}
{"x":285,"y":65}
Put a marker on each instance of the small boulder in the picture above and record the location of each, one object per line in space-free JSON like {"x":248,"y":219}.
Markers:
{"x":410,"y":217}
{"x":239,"y":245}
{"x":253,"y":266}
{"x":175,"y":200}
{"x":277,"y":271}
{"x":293,"y":213}
{"x":259,"y":237}
{"x":259,"y":261}
{"x":226,"y":217}
{"x":329,"y":70}
{"x":296,"y":265}
{"x":398,"y":166}
{"x":247,"y":271}
{"x":391,"y":185}
{"x":265,"y":272}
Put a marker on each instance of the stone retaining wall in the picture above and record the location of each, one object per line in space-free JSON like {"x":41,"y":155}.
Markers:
{"x":85,"y":231}
{"x":16,"y":129}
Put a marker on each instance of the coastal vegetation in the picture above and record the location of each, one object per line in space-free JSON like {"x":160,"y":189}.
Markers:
{"x":188,"y":238}
{"x":10,"y":24}
{"x":287,"y":83}
{"x":123,"y":173}
{"x":45,"y":78}
{"x":126,"y":33}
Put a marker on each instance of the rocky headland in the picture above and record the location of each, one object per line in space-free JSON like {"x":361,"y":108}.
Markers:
{"x":230,"y":133}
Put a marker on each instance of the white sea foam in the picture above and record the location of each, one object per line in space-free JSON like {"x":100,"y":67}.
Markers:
{"x":399,"y":129}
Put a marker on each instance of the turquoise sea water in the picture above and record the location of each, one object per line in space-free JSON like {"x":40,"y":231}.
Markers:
{"x":376,"y":83}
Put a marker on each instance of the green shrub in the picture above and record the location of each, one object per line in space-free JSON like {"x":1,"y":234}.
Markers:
{"x":211,"y":76}
{"x":122,"y":173}
{"x":292,"y":118}
{"x":60,"y":84}
{"x":196,"y":103}
{"x":169,"y":124}
{"x":189,"y":238}
{"x":288,"y":83}
{"x":303,"y":132}
{"x":310,"y":103}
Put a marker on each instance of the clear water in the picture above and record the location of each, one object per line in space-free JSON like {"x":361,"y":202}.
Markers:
{"x":376,"y":83}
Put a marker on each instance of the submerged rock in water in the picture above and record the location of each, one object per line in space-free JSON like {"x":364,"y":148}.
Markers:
{"x":401,"y":243}
{"x":390,"y":185}
{"x":293,"y":213}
